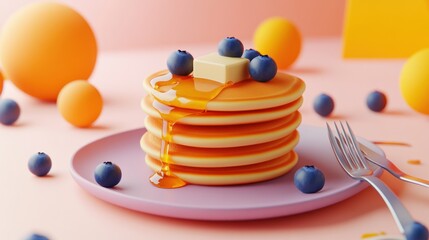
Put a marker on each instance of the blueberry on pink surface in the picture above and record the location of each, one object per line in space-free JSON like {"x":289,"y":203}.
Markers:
{"x":40,"y":164}
{"x":376,"y":101}
{"x":107,"y":174}
{"x":323,"y":105}
{"x":309,"y":179}
{"x":36,"y":236}
{"x":416,"y":231}
{"x":9,"y":111}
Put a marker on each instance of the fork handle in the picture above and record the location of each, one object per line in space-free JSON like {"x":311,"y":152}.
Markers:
{"x":400,"y":213}
{"x":415,"y":180}
{"x":395,"y":171}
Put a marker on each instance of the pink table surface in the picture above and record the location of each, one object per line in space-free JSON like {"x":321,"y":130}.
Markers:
{"x":58,"y":207}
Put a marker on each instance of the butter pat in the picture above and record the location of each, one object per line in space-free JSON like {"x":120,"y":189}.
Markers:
{"x":221,"y":69}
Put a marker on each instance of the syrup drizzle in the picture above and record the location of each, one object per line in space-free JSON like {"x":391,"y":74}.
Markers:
{"x":170,"y":90}
{"x":414,"y":161}
{"x":392,"y":143}
{"x":371,"y":235}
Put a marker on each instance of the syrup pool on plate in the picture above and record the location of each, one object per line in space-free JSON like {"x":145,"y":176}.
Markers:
{"x":172,"y":88}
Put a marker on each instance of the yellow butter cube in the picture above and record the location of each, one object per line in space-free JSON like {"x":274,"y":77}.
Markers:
{"x":221,"y":69}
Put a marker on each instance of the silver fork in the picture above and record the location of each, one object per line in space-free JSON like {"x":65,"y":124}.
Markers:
{"x":348,"y":154}
{"x":386,"y":164}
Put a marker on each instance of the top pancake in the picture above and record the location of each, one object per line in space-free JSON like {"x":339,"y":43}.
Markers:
{"x":242,"y":96}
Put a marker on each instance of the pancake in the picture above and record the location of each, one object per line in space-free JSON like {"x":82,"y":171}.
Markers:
{"x":225,"y":157}
{"x":243,"y":96}
{"x":210,"y":118}
{"x":231,"y":175}
{"x":215,"y":132}
{"x":227,"y":136}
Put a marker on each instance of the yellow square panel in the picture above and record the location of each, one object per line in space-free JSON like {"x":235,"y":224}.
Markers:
{"x":385,"y":28}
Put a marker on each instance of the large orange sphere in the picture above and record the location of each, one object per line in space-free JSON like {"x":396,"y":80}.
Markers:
{"x":280,"y":39}
{"x":44,"y":46}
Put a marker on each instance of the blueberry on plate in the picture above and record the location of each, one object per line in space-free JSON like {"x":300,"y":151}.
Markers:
{"x":376,"y":101}
{"x":230,"y":47}
{"x":36,"y":236}
{"x":250,"y":54}
{"x":40,"y":164}
{"x":180,"y":62}
{"x":9,"y":111}
{"x":107,"y":174}
{"x":416,"y":231}
{"x":309,"y":179}
{"x":263,"y":68}
{"x":323,"y":105}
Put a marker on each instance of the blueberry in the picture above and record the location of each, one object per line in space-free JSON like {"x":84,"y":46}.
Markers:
{"x":9,"y":111}
{"x":230,"y":47}
{"x":180,"y":62}
{"x":262,"y":68}
{"x":416,"y":231}
{"x":107,"y":174}
{"x":250,"y":54}
{"x":36,"y":236}
{"x":376,"y":101}
{"x":323,"y":105}
{"x":309,"y":179}
{"x":40,"y":164}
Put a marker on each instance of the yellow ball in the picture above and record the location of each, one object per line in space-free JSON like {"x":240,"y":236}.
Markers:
{"x":80,"y":103}
{"x":46,"y":45}
{"x":280,"y":39}
{"x":414,"y":81}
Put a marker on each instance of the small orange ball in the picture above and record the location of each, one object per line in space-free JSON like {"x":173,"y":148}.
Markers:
{"x":44,"y":46}
{"x":280,"y":39}
{"x":80,"y":103}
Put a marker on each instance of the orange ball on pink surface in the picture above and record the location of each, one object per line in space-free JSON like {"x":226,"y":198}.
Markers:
{"x":280,"y":39}
{"x":46,"y":45}
{"x":80,"y":103}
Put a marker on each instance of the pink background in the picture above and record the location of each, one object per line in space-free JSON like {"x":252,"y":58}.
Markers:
{"x":146,"y":23}
{"x":58,"y":207}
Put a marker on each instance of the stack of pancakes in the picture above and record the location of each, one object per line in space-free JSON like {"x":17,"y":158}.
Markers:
{"x":246,"y":133}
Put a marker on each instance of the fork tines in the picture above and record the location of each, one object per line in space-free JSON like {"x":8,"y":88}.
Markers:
{"x":347,"y":146}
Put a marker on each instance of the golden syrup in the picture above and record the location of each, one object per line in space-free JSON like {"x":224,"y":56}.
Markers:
{"x":414,"y":162}
{"x":392,"y":143}
{"x":247,"y":95}
{"x":273,"y":164}
{"x":371,"y":235}
{"x":172,"y":88}
{"x":153,"y":142}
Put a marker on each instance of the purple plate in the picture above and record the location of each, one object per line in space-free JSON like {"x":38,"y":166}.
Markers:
{"x":274,"y":198}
